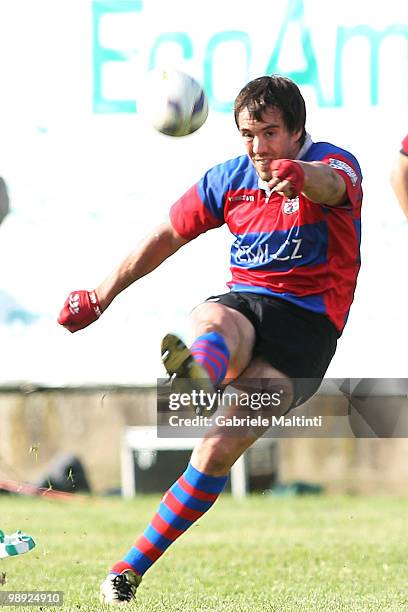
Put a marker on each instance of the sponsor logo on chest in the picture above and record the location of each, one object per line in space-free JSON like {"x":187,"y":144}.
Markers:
{"x":241,"y":198}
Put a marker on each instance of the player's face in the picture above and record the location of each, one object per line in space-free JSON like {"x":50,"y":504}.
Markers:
{"x":267,"y":140}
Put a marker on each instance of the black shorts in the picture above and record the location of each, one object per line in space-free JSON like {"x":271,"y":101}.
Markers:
{"x":297,"y":342}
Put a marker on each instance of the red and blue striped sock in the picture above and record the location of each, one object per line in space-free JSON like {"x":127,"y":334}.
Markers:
{"x":186,"y":501}
{"x":211,"y":352}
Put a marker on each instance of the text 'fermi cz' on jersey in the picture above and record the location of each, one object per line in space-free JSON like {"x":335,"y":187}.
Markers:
{"x":297,"y":246}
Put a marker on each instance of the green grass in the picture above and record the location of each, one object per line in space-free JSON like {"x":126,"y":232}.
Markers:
{"x":262,"y":554}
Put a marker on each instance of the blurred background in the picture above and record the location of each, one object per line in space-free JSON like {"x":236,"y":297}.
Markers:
{"x":87,"y":178}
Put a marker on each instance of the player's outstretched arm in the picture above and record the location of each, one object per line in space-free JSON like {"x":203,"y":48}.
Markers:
{"x":399,"y":181}
{"x":323,"y":185}
{"x":83,"y":307}
{"x":317,"y":181}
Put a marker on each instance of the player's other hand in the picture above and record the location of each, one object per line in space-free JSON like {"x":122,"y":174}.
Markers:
{"x":288,"y":177}
{"x":81,"y":308}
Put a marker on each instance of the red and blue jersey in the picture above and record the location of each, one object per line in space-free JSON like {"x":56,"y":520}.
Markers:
{"x":296,"y":250}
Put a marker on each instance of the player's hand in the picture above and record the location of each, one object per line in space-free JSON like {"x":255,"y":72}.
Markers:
{"x":81,"y":308}
{"x":288,"y":177}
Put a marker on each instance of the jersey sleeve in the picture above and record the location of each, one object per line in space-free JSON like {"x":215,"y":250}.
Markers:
{"x":404,"y":146}
{"x":201,"y":208}
{"x":347,"y":166}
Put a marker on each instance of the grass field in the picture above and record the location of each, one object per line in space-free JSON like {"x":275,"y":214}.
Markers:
{"x":261,"y":554}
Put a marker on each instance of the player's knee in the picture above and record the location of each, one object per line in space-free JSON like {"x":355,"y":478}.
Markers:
{"x":205,"y":327}
{"x":209,"y":317}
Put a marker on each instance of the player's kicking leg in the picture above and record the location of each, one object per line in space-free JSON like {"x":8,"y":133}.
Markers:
{"x":190,"y":497}
{"x":222,"y":349}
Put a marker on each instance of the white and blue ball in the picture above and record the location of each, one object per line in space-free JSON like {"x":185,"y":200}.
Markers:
{"x":175,"y":104}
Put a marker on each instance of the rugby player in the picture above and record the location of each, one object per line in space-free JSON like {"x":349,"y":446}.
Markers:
{"x":293,"y":208}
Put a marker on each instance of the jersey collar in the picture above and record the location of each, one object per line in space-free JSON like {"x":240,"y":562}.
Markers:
{"x":306,"y":146}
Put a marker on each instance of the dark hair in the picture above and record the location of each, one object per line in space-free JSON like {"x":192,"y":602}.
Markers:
{"x":273,"y":91}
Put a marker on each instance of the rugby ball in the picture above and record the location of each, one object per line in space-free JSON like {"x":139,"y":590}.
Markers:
{"x":175,"y":103}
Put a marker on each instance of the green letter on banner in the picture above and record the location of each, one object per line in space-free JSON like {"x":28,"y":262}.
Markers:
{"x":101,"y":55}
{"x":374,"y":38}
{"x":310,"y":76}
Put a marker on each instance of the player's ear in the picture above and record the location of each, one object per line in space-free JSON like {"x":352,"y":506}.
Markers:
{"x":298,"y":134}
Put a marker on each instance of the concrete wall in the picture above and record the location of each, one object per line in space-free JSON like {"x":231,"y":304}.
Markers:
{"x":349,"y":464}
{"x":36,"y":425}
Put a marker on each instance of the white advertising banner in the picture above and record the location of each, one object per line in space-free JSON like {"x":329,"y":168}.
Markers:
{"x":88,"y":178}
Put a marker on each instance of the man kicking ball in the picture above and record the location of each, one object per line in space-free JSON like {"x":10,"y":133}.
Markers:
{"x":293,"y":207}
